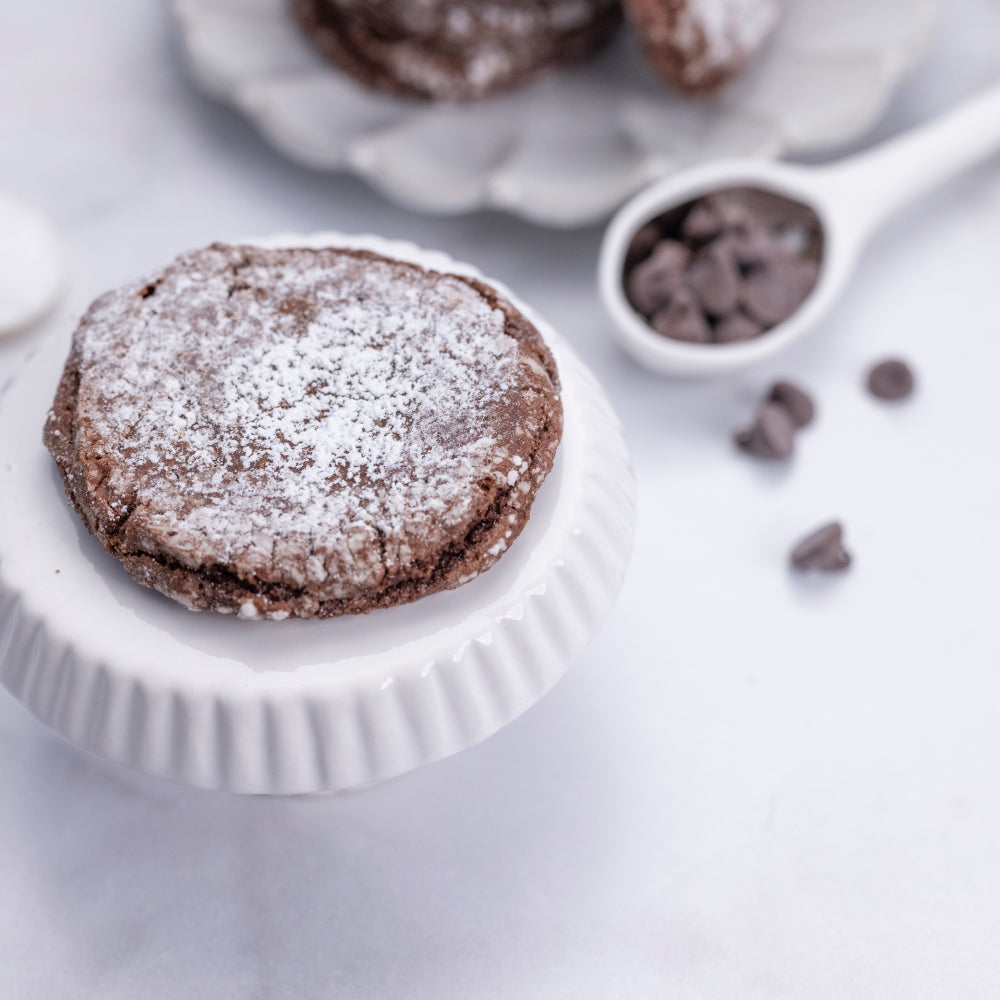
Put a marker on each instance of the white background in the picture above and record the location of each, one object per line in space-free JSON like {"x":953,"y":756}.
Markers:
{"x":752,"y":785}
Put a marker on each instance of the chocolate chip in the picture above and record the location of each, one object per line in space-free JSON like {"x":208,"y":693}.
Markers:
{"x":732,"y":209}
{"x":653,"y":282}
{"x":703,"y":222}
{"x":892,"y":379}
{"x":749,"y":248}
{"x":715,"y":214}
{"x":795,"y":400}
{"x":771,"y":436}
{"x":715,"y":278}
{"x":774,"y":293}
{"x":683,"y":319}
{"x":671,"y":254}
{"x":737,"y":327}
{"x":642,"y":244}
{"x":758,"y":246}
{"x":822,"y":550}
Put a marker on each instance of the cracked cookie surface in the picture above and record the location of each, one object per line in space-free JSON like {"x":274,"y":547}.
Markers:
{"x":699,"y":46}
{"x":299,"y":433}
{"x":455,"y":50}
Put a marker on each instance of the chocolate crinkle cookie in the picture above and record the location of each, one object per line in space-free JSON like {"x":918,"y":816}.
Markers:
{"x":700,"y":45}
{"x":455,"y":50}
{"x":300,"y":432}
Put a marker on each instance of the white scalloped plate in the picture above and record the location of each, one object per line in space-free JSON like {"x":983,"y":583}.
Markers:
{"x":302,"y":706}
{"x":571,"y":147}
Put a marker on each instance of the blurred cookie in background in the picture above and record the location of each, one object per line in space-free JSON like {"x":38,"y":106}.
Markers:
{"x":455,"y":50}
{"x":700,"y":45}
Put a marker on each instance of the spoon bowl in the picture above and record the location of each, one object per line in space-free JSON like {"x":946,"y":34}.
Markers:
{"x":850,"y":199}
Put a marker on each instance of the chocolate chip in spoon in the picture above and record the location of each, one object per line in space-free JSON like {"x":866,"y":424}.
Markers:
{"x":652,"y":282}
{"x":771,"y":294}
{"x":715,"y":278}
{"x":683,"y":319}
{"x":736,"y":327}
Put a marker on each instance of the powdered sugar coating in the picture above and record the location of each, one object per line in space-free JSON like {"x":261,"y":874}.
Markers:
{"x":455,"y":49}
{"x":733,"y":28}
{"x":701,"y":44}
{"x":324,"y":420}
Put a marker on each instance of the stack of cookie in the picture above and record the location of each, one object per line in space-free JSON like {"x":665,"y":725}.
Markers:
{"x":461,"y":50}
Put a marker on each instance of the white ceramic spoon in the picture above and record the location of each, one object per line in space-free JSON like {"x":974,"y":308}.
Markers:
{"x":851,"y":198}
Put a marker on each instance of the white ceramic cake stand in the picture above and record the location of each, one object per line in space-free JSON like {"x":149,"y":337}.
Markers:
{"x":301,"y":706}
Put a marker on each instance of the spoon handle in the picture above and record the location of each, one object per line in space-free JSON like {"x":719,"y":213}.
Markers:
{"x":874,"y":184}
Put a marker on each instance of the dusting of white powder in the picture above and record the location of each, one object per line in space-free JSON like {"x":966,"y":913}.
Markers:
{"x":731,"y":29}
{"x":496,"y":40}
{"x":236,"y":419}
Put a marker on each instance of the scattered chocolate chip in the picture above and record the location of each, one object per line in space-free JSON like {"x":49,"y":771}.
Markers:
{"x":822,"y":550}
{"x":683,"y":319}
{"x":774,"y":293}
{"x":795,"y":400}
{"x":772,"y":434}
{"x":785,"y":409}
{"x":653,"y":282}
{"x":714,"y":276}
{"x":642,"y":244}
{"x":737,"y":327}
{"x":892,"y":379}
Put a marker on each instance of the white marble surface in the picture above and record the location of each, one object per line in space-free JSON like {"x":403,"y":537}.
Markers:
{"x":748,"y":787}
